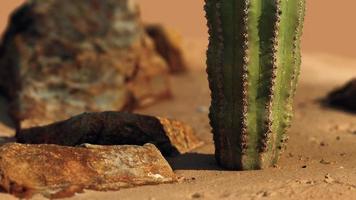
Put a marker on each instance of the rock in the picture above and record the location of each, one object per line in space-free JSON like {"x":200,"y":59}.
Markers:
{"x":328,"y":179}
{"x":115,"y":128}
{"x":57,"y":171}
{"x":197,"y":195}
{"x":325,"y":162}
{"x":60,"y":58}
{"x":344,"y":97}
{"x":168,"y":44}
{"x":6,"y":125}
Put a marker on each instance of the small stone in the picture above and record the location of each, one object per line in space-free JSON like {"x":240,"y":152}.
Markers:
{"x":197,"y":195}
{"x":304,"y":166}
{"x":322,"y":161}
{"x":264,"y":194}
{"x":181,"y":179}
{"x":310,"y":182}
{"x":338,"y":138}
{"x":328,"y":179}
{"x":203,"y":109}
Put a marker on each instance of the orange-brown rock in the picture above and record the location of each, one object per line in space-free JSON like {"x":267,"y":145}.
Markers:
{"x":115,"y":128}
{"x":168,"y":44}
{"x":60,"y":58}
{"x":57,"y":171}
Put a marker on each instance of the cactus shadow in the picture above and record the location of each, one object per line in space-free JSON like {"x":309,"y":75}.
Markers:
{"x":194,"y":161}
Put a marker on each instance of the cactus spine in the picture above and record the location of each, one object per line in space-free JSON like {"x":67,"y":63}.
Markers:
{"x":253,"y":63}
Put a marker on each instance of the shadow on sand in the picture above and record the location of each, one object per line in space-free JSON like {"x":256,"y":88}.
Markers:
{"x":193,"y":161}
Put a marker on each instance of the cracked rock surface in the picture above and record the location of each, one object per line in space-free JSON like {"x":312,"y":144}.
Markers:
{"x":57,"y":171}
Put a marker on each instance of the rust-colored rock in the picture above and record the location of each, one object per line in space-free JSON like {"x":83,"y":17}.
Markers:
{"x":344,"y":97}
{"x":168,"y":44}
{"x":115,"y":128}
{"x":60,"y":58}
{"x":57,"y":171}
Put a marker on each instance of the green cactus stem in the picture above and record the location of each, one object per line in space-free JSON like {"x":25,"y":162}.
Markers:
{"x":253,"y":63}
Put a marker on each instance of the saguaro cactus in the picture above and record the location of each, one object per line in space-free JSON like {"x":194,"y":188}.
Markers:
{"x":253,"y":66}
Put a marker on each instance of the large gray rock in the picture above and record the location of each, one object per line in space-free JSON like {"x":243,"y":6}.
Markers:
{"x":60,"y":58}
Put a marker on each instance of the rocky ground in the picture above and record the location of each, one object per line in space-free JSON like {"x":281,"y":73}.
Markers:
{"x":318,"y":164}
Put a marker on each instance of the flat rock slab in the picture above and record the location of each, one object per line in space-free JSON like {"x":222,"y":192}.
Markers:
{"x":57,"y":171}
{"x":115,"y":128}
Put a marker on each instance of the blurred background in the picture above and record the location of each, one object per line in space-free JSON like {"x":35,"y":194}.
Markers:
{"x":96,"y":72}
{"x":328,"y":25}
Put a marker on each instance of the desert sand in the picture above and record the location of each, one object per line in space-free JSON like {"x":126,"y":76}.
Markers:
{"x":319,"y":162}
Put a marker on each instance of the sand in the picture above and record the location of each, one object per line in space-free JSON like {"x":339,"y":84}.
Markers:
{"x":328,"y":25}
{"x":319,"y":162}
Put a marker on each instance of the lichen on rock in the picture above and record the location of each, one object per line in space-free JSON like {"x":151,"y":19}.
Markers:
{"x":60,"y":58}
{"x":57,"y":171}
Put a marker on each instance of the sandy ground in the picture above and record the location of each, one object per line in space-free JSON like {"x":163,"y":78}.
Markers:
{"x":318,"y":164}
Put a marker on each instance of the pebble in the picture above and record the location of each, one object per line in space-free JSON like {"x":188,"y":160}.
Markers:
{"x":203,"y":109}
{"x":263,"y":194}
{"x":323,"y":144}
{"x":328,"y":179}
{"x":322,"y":161}
{"x":197,"y":195}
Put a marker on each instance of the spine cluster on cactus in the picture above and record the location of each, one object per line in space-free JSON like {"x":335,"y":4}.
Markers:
{"x":253,"y":63}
